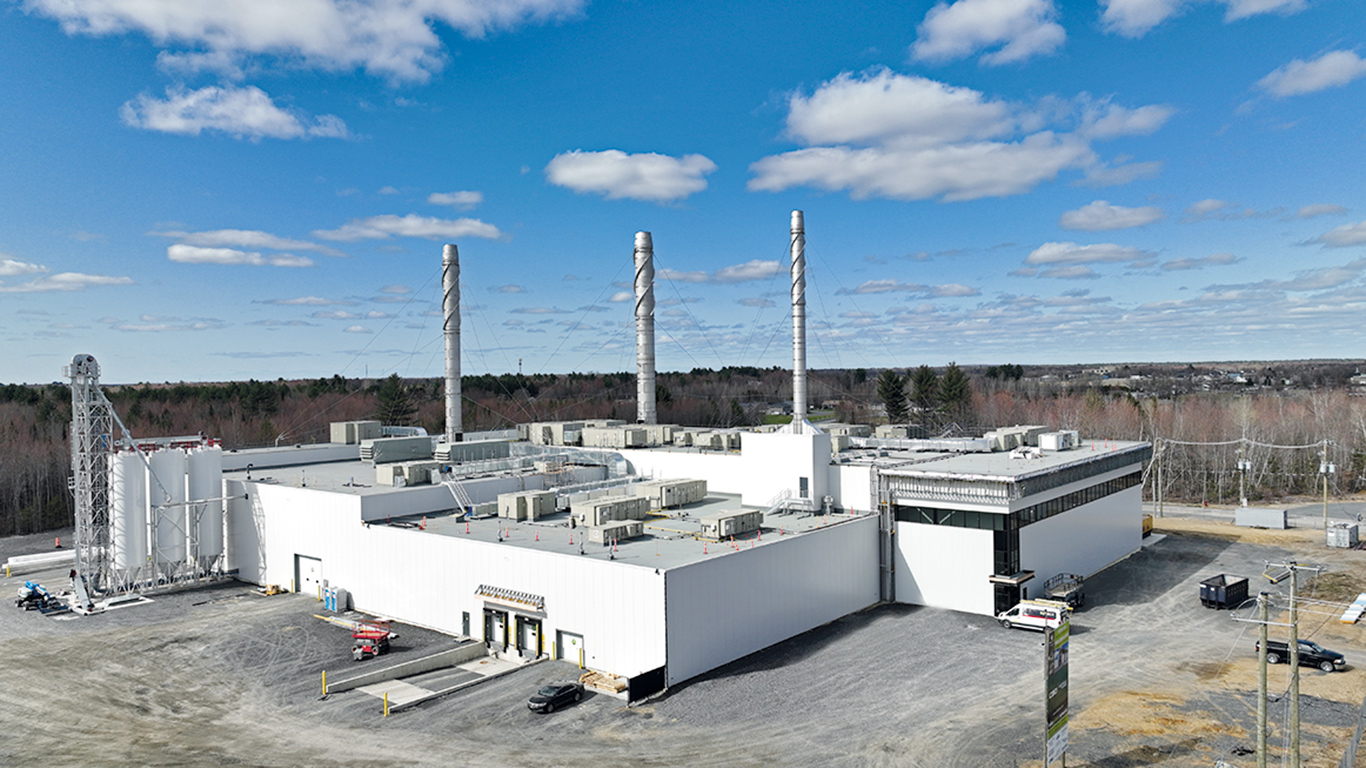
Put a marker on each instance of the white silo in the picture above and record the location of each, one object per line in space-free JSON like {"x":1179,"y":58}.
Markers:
{"x":129,"y":511}
{"x":167,"y":486}
{"x":206,"y":482}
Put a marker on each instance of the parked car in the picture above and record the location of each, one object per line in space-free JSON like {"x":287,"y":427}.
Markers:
{"x":1311,"y":655}
{"x":554,"y":695}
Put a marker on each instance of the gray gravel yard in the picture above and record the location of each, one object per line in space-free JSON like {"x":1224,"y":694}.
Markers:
{"x":220,"y":676}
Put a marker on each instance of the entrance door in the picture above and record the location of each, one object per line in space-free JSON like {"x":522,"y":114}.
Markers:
{"x":569,"y":647}
{"x":1007,"y":596}
{"x":308,"y":575}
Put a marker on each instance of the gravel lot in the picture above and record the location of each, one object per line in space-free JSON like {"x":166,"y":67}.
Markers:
{"x":220,"y":676}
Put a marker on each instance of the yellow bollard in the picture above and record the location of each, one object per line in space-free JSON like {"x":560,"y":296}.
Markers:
{"x":386,"y":703}
{"x":580,"y":658}
{"x":324,"y":682}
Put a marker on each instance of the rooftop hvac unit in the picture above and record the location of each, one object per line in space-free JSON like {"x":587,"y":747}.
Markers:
{"x":615,"y":531}
{"x":389,"y":449}
{"x":725,"y":524}
{"x":1064,"y":440}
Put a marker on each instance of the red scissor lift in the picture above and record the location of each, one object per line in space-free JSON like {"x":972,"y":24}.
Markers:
{"x":370,"y":638}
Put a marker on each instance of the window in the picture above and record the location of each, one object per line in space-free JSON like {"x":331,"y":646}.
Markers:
{"x":804,"y":486}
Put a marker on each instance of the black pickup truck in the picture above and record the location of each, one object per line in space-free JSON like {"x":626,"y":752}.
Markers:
{"x":1311,"y":655}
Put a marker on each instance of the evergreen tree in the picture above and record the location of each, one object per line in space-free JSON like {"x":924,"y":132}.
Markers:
{"x":891,"y":390}
{"x":955,"y":392}
{"x":925,"y":389}
{"x":393,"y":405}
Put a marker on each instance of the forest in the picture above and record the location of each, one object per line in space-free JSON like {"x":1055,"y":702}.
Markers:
{"x":1278,"y":424}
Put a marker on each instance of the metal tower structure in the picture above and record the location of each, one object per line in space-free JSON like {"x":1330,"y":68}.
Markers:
{"x":92,"y":445}
{"x":153,"y":539}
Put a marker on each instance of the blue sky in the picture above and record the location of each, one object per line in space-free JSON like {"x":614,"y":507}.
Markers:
{"x":256,"y":189}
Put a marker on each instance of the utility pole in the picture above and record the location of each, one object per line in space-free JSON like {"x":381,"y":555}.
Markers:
{"x":1325,"y":469}
{"x":1294,"y":670}
{"x":1243,"y":467}
{"x":1158,"y":440}
{"x":1262,"y":619}
{"x":1289,"y":570}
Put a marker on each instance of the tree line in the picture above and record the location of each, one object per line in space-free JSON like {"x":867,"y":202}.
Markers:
{"x":35,"y":460}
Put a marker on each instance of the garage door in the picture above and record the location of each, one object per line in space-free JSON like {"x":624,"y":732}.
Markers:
{"x":308,"y":575}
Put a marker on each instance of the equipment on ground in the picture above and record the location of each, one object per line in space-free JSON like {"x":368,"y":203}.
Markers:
{"x":1066,"y":588}
{"x":370,"y":638}
{"x":35,"y":597}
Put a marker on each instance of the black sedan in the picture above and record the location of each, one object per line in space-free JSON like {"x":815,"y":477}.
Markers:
{"x":554,"y":695}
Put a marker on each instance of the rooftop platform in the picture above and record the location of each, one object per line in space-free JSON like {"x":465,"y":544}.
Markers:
{"x":671,"y":538}
{"x":998,"y":465}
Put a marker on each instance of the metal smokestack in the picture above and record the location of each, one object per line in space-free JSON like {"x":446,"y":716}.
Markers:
{"x":798,"y":321}
{"x":450,"y":307}
{"x":645,"y":329}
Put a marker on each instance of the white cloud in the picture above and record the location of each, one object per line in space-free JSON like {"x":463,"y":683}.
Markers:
{"x":336,"y":314}
{"x":1022,"y":29}
{"x":1134,"y":18}
{"x":751,"y":270}
{"x":356,"y":329}
{"x":65,"y":282}
{"x":1331,"y":70}
{"x":1071,"y":253}
{"x":192,"y":254}
{"x":396,"y":40}
{"x":1103,"y":120}
{"x":757,"y":269}
{"x":1099,"y":215}
{"x":1222,"y":210}
{"x":412,"y":225}
{"x":621,"y":296}
{"x":881,"y":134}
{"x":509,"y":288}
{"x":1344,"y":236}
{"x":757,"y":301}
{"x":616,"y":175}
{"x":396,"y":289}
{"x":246,"y":238}
{"x":246,"y":112}
{"x":1320,"y":209}
{"x":905,"y":111}
{"x":1213,"y":260}
{"x":1070,"y":272}
{"x":461,"y":201}
{"x":950,"y":290}
{"x":1306,"y":280}
{"x":12,"y":267}
{"x":306,"y":301}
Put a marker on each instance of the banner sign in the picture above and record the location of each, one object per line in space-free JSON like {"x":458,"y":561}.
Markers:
{"x":1055,"y":691}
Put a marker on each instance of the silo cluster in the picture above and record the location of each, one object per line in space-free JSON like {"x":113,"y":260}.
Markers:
{"x":166,"y":511}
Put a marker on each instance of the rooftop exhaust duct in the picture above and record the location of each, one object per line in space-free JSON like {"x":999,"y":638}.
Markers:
{"x":798,"y":321}
{"x":450,"y":307}
{"x":645,"y":329}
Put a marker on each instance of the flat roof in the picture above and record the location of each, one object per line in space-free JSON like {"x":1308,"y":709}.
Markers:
{"x":997,"y":464}
{"x":352,"y":476}
{"x":671,"y":537}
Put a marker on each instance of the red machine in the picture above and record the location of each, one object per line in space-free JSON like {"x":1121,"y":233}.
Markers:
{"x":370,"y":638}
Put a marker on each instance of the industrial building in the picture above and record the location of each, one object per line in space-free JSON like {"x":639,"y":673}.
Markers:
{"x":651,"y":552}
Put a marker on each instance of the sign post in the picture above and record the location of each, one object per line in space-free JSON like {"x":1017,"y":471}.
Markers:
{"x":1055,"y":692}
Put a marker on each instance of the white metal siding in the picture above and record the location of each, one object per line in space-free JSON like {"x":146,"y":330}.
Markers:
{"x":429,"y":579}
{"x":734,"y":604}
{"x":1084,"y":539}
{"x":944,"y":567}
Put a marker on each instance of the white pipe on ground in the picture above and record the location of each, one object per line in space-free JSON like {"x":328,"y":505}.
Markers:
{"x":450,"y":307}
{"x":798,"y":320}
{"x":645,"y":329}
